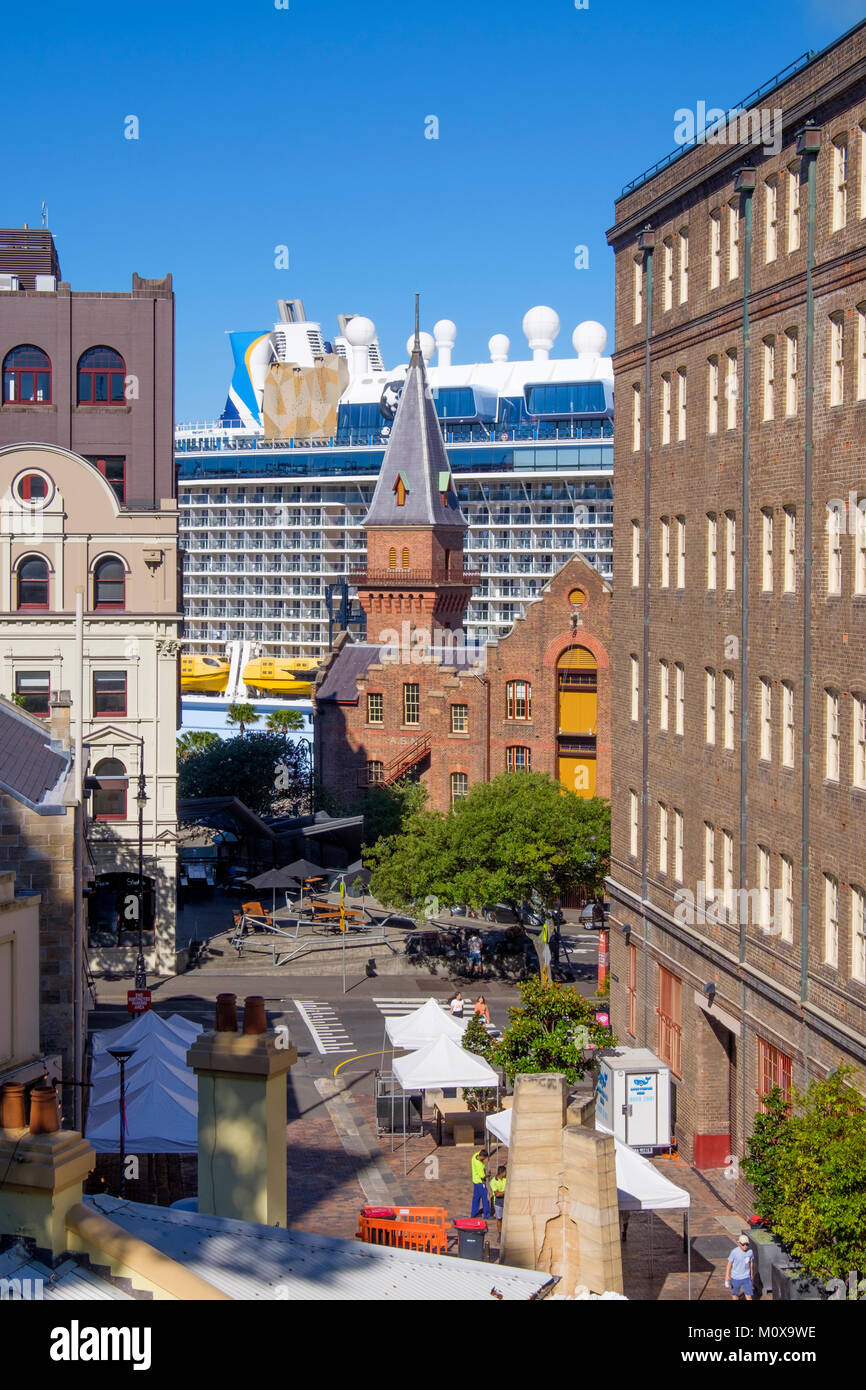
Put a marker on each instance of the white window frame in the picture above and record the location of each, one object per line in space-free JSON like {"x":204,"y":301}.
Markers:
{"x":664,"y":695}
{"x":709,"y":860}
{"x":765,"y":705}
{"x":668,"y":272}
{"x":681,"y":552}
{"x":860,"y":546}
{"x":791,"y":371}
{"x":633,"y":823}
{"x":836,"y":336}
{"x":832,"y":736}
{"x":637,"y":289}
{"x":769,"y":376}
{"x":636,"y":433}
{"x":684,"y":264}
{"x":732,"y":388}
{"x":666,"y":407}
{"x":635,"y":688}
{"x":679,"y":699}
{"x":840,"y":183}
{"x":789,"y":577}
{"x":729,"y":687}
{"x":786,"y":893}
{"x":831,"y":921}
{"x":664,"y":552}
{"x":788,"y":727}
{"x":793,"y":180}
{"x":733,"y":240}
{"x":682,"y":397}
{"x":712,"y":395}
{"x":635,"y":554}
{"x":858,"y":741}
{"x":679,"y":842}
{"x":858,"y":934}
{"x":730,"y":551}
{"x":710,"y":706}
{"x":763,"y":876}
{"x":715,"y":248}
{"x":861,"y":351}
{"x":663,"y":838}
{"x":767,"y":550}
{"x":728,"y":870}
{"x":712,"y":551}
{"x":771,"y":220}
{"x":834,"y":550}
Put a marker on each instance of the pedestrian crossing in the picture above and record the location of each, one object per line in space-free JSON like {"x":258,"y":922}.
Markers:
{"x":397,"y":1006}
{"x":324,"y":1026}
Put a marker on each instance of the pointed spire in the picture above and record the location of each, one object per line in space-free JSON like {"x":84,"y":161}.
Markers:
{"x":416,"y":348}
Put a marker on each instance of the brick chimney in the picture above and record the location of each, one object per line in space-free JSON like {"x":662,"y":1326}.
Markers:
{"x":242,"y":1115}
{"x":60,"y":707}
{"x":42,"y":1171}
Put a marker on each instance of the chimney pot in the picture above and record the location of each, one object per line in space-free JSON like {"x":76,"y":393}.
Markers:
{"x":255,"y":1018}
{"x":226,"y":1013}
{"x":43,"y":1110}
{"x":12,"y":1114}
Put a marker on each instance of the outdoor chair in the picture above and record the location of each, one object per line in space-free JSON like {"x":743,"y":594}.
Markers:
{"x":256,"y":911}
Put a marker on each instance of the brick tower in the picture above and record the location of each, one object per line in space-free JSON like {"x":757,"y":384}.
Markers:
{"x":415,"y":529}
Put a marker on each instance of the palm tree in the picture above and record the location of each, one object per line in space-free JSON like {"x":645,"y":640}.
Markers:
{"x":281,"y":721}
{"x":242,"y":714}
{"x":196,"y":741}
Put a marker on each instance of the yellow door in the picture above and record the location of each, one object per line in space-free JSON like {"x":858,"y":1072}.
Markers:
{"x":577,"y":775}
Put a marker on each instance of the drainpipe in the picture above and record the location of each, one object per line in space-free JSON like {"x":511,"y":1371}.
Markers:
{"x":646,"y":243}
{"x":808,"y":145}
{"x":78,"y":869}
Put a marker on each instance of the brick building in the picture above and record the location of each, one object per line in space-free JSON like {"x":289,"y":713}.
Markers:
{"x":739,"y":610}
{"x":420,"y":698}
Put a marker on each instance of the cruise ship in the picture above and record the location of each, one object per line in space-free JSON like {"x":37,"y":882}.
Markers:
{"x":274,"y":492}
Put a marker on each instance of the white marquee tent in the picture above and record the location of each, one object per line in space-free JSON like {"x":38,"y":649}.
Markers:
{"x":161,"y":1090}
{"x":424,"y":1025}
{"x":444,"y":1063}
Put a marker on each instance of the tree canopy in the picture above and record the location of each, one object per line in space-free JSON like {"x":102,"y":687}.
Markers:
{"x":195,"y":741}
{"x":242,"y":714}
{"x":518,"y":838}
{"x":282,"y":721}
{"x":265,"y":770}
{"x":553,"y":1028}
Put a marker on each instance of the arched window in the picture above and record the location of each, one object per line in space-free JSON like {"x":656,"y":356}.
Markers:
{"x":518,"y":759}
{"x":101,"y":377}
{"x":405,"y":557}
{"x":26,"y":376}
{"x":33,"y":582}
{"x":109,"y":583}
{"x":392,"y":558}
{"x":109,"y":795}
{"x":518,"y":700}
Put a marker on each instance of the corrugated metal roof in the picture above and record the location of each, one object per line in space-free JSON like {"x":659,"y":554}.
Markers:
{"x":69,"y":1280}
{"x":249,"y":1261}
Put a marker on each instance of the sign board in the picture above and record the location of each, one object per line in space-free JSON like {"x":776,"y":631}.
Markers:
{"x":137,"y":1001}
{"x":602,"y":1017}
{"x":603,"y":1098}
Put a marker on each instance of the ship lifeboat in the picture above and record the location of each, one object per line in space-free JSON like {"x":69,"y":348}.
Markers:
{"x":203,"y":673}
{"x":281,"y":675}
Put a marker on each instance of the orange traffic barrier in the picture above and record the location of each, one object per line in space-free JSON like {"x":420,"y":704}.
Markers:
{"x":410,"y":1228}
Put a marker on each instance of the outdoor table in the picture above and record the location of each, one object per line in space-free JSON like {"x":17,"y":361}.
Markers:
{"x":447,"y":1113}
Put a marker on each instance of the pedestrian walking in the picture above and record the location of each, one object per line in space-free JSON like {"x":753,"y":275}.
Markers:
{"x":479,"y":1185}
{"x":740,"y":1269}
{"x":456,"y":1005}
{"x":497,"y":1187}
{"x":474,"y":945}
{"x":481,"y":1008}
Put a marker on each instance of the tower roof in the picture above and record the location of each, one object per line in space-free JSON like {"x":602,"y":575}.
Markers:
{"x":415,"y":487}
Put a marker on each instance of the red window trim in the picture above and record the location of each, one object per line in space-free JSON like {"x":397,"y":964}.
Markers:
{"x":511,"y":700}
{"x":113,"y":713}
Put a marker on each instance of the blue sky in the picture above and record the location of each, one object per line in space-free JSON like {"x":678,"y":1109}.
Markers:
{"x":304,"y":127}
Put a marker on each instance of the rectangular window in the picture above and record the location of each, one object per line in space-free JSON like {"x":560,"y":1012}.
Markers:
{"x":769,"y":361}
{"x":710,"y":703}
{"x":730,"y":700}
{"x":670,"y":1020}
{"x":637,"y":285}
{"x":733,"y":240}
{"x":664,"y":695}
{"x":731,"y":388}
{"x":375,"y":772}
{"x":682,"y":387}
{"x":632,"y":823}
{"x":113,"y":469}
{"x":411,"y":703}
{"x":712,"y":550}
{"x":709,"y":860}
{"x":109,"y":693}
{"x":861,"y":352}
{"x":668,"y":272}
{"x":860,"y":547}
{"x":681,"y":552}
{"x":787,"y":724}
{"x":635,"y":553}
{"x":679,"y":699}
{"x":632,"y":989}
{"x":831,"y":735}
{"x":33,"y":689}
{"x":771,"y":225}
{"x":460,"y":719}
{"x":774,"y":1069}
{"x":712,"y":395}
{"x":635,"y":688}
{"x":766,"y":717}
{"x":863,"y":168}
{"x":793,"y":182}
{"x":684,"y":264}
{"x":728,"y":868}
{"x":679,"y":842}
{"x":767,"y":549}
{"x":518,"y":700}
{"x":664,"y":553}
{"x":858,"y":740}
{"x":715,"y":249}
{"x":831,"y":921}
{"x":518,"y":759}
{"x":635,"y":418}
{"x":840,"y":184}
{"x":730,"y":551}
{"x":858,"y":935}
{"x":375,"y":709}
{"x":666,"y":408}
{"x":837,"y":359}
{"x":790,"y":371}
{"x":663,"y":838}
{"x":789,"y":582}
{"x":459,"y":786}
{"x":786,"y":890}
{"x":763,"y":887}
{"x":834,"y":550}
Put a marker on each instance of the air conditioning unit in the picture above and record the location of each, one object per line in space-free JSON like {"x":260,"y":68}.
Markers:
{"x":8,"y":282}
{"x":45,"y":282}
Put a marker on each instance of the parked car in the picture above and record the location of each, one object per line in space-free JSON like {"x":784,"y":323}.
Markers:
{"x":505,"y":915}
{"x":589,"y":916}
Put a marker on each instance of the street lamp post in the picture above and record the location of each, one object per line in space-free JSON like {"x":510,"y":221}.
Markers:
{"x":121,"y":1056}
{"x":141,"y":802}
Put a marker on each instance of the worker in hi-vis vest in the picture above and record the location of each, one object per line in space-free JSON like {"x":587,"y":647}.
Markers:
{"x":480,"y":1205}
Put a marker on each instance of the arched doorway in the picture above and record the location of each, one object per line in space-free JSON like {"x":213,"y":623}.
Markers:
{"x":577,"y":719}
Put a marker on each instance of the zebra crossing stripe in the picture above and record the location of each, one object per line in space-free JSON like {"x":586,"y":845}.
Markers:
{"x":324,"y":1026}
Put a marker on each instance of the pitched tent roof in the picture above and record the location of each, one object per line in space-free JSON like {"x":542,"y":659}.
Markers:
{"x":424,"y":1026}
{"x":415,"y":451}
{"x":443,"y":1063}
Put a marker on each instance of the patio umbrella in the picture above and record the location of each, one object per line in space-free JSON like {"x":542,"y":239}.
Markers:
{"x":302,"y":869}
{"x":351,"y":875}
{"x":274,"y":879}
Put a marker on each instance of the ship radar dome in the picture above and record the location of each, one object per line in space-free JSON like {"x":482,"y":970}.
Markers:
{"x":499,"y":347}
{"x":427,"y":345}
{"x":589,"y":338}
{"x":360,"y":331}
{"x":541,"y":326}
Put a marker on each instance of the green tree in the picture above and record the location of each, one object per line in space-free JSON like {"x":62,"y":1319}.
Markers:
{"x":553,"y":1029}
{"x":811,"y":1175}
{"x":242,"y":714}
{"x":760,"y":1166}
{"x":476,"y":1037}
{"x":387,"y":809}
{"x":264,"y":770}
{"x":194,"y":742}
{"x":18,"y":700}
{"x":518,"y":838}
{"x":282,"y":721}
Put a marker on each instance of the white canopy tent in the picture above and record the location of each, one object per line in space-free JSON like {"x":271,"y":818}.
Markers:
{"x":161,"y":1090}
{"x":640,"y":1186}
{"x":443,"y":1063}
{"x":423,"y":1026}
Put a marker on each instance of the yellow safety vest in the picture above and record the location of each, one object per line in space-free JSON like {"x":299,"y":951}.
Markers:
{"x":478,"y":1171}
{"x":497,"y":1186}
